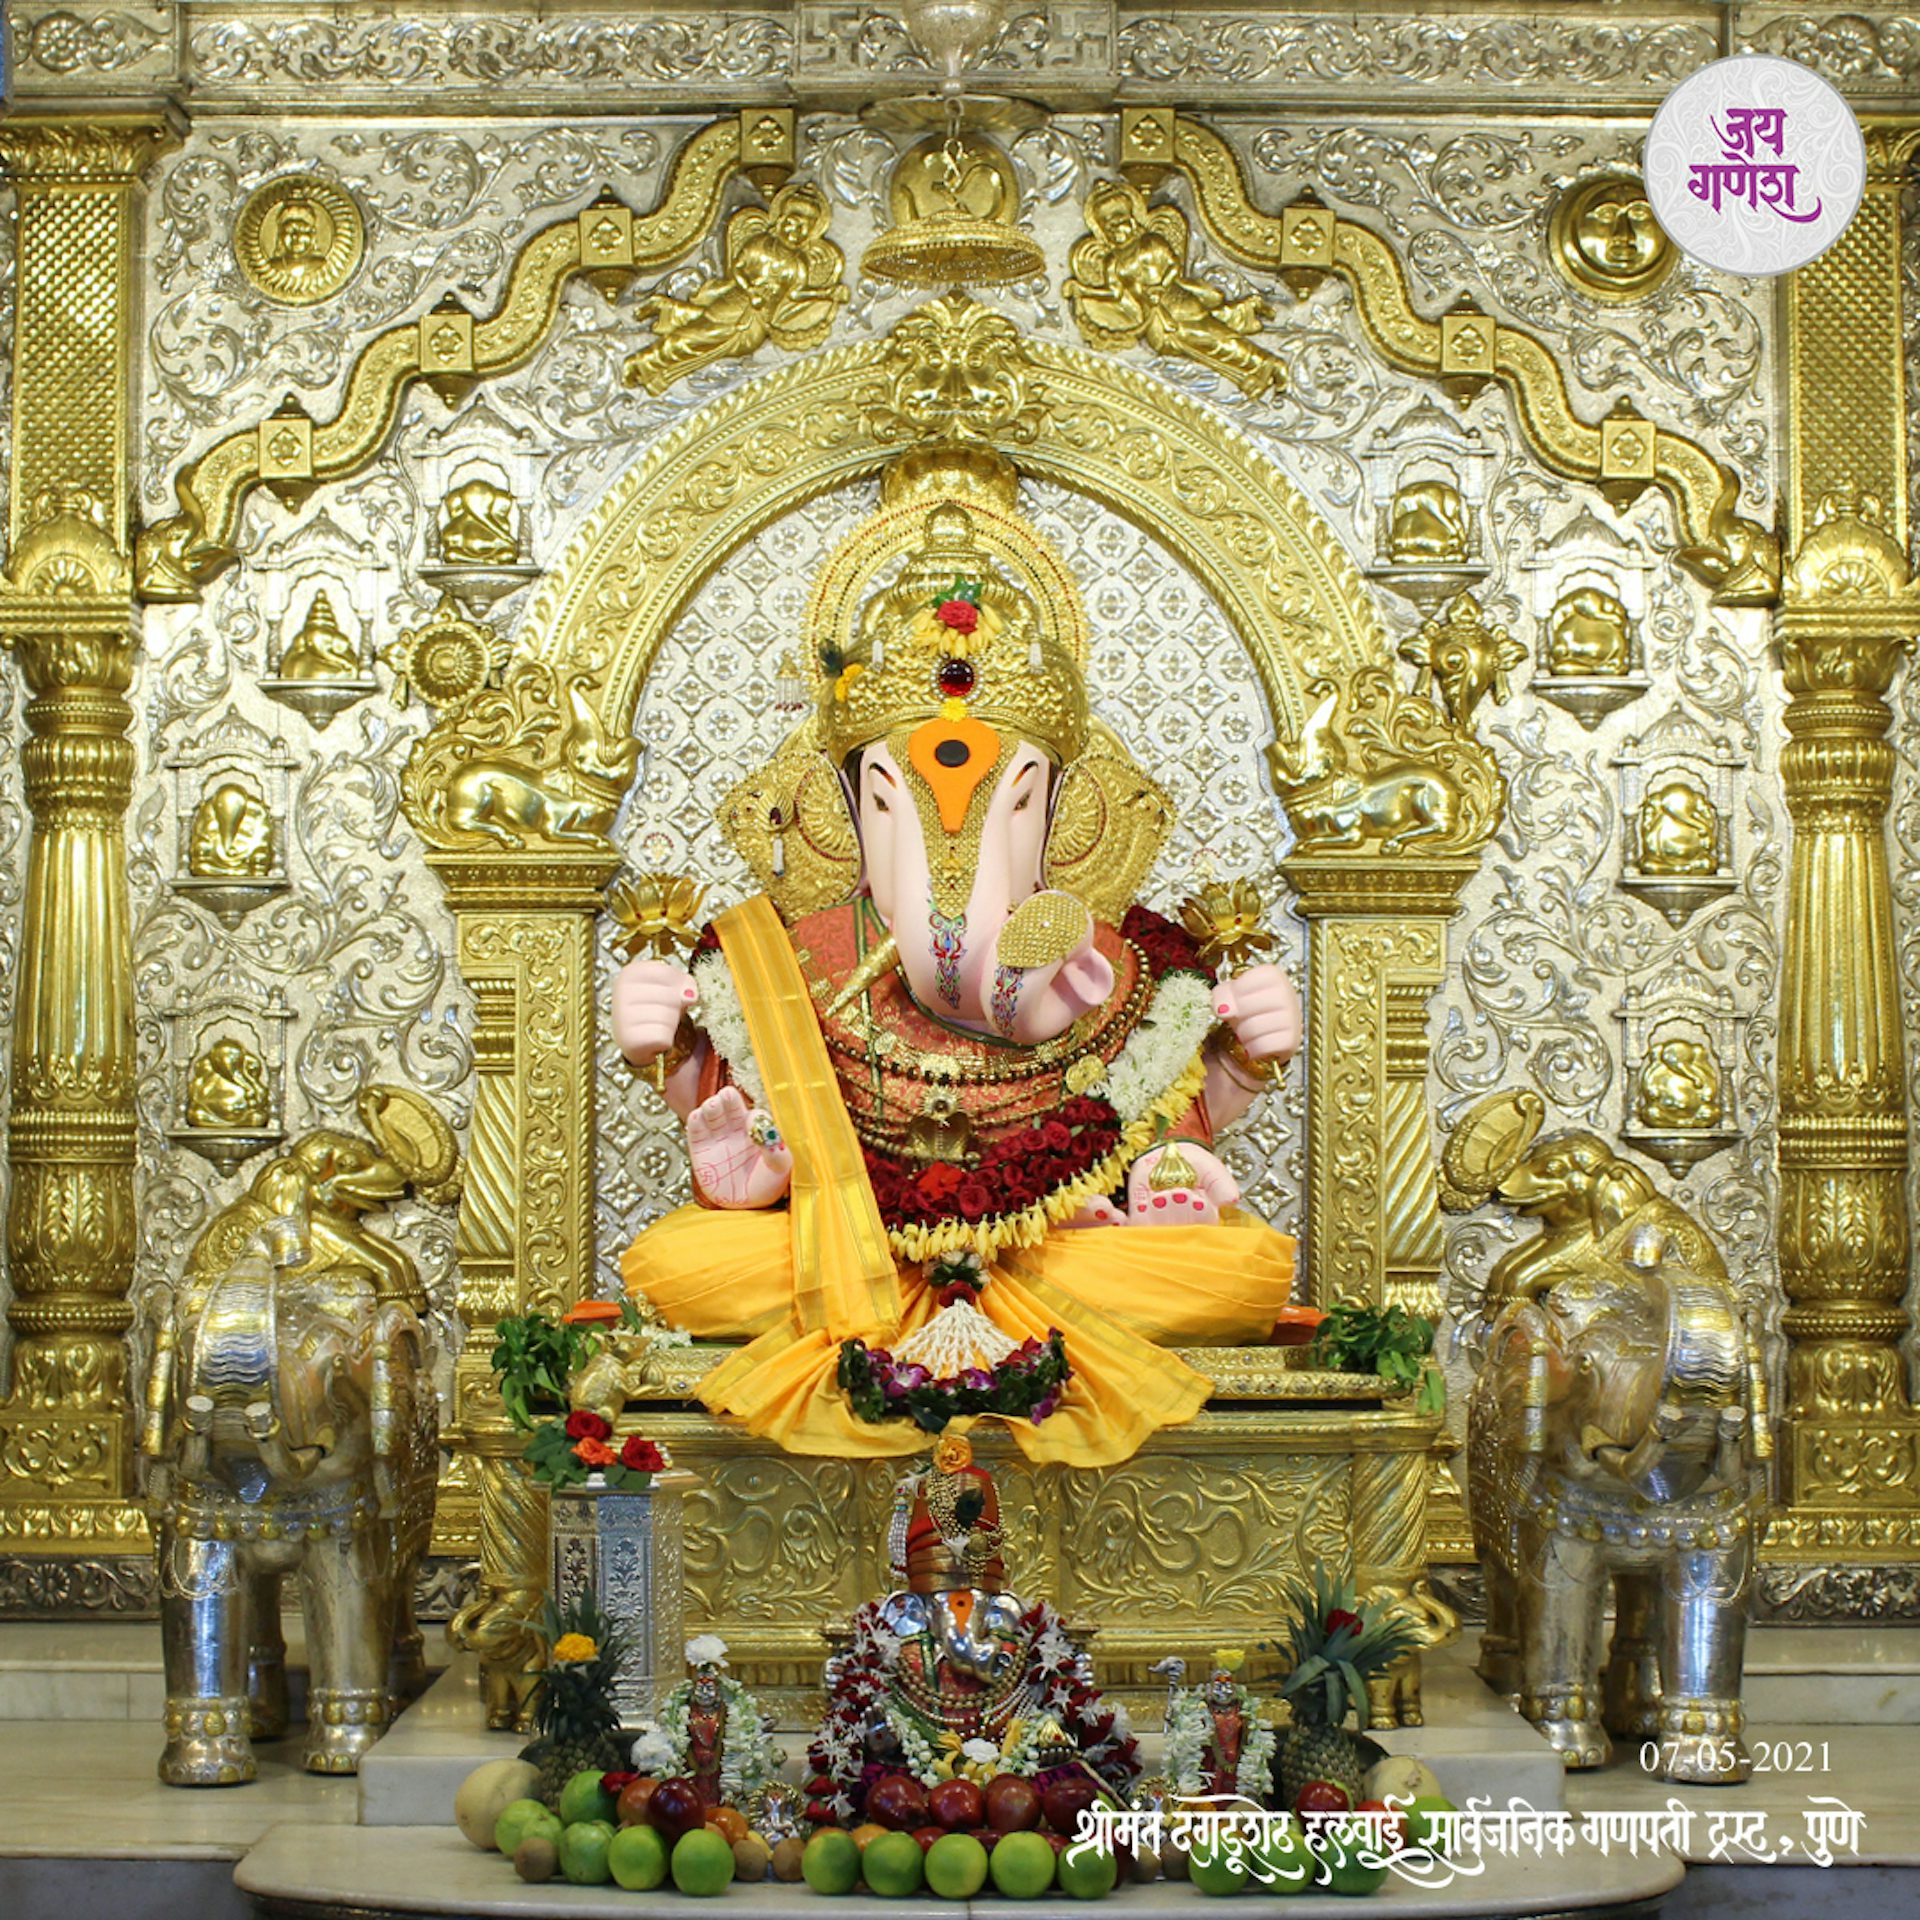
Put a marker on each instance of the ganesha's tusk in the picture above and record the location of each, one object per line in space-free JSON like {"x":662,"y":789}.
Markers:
{"x":883,"y":960}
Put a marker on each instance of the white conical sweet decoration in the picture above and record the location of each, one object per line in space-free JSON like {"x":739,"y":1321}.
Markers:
{"x":956,"y":1338}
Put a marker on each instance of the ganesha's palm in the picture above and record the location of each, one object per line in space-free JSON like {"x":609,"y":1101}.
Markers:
{"x":738,"y":1158}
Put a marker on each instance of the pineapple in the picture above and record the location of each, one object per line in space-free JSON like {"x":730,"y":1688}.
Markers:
{"x":1332,"y":1653}
{"x":573,"y":1699}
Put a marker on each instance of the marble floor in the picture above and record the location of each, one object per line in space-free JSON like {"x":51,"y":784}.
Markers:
{"x":82,"y":1802}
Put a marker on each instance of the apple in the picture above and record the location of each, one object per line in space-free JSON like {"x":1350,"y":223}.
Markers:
{"x":987,"y":1836}
{"x":1066,"y":1797}
{"x":1393,"y":1830}
{"x":1013,"y":1804}
{"x":631,"y":1808}
{"x":899,"y":1801}
{"x":957,"y":1805}
{"x":927,"y":1836}
{"x":676,"y":1808}
{"x":1322,"y":1796}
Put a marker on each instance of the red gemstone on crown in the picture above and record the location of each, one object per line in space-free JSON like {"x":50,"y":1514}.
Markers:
{"x":956,"y":678}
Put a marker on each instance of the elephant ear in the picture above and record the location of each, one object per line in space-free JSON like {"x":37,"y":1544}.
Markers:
{"x":1110,"y":820}
{"x":811,"y":859}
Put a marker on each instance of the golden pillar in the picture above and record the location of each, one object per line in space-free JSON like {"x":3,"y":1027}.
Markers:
{"x":1850,"y":1458}
{"x":526,"y":1238}
{"x":66,"y":1426}
{"x":1849,"y":611}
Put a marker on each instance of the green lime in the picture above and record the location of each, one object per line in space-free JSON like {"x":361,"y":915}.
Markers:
{"x":1216,"y":1866}
{"x":1423,"y":1830}
{"x":831,"y":1863}
{"x":583,"y":1853}
{"x":1022,"y":1865}
{"x":638,"y":1858}
{"x":703,"y":1862}
{"x":1087,"y":1872}
{"x":517,"y":1818}
{"x":1282,"y":1860}
{"x":893,"y":1865}
{"x":1353,"y":1857}
{"x":583,"y":1798}
{"x":956,"y":1866}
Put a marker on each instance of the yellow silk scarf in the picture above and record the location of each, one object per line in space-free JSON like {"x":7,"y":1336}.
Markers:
{"x":845,"y":1281}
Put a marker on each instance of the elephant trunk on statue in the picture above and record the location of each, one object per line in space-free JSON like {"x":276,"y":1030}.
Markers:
{"x":1617,"y":1428}
{"x":290,"y":1430}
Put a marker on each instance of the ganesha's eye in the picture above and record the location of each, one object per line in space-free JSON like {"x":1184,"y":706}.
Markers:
{"x":1023,"y":803}
{"x":879,"y":802}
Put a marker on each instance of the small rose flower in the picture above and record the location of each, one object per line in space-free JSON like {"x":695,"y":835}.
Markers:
{"x":961,"y":615}
{"x":573,"y":1647}
{"x":582,"y":1425}
{"x":641,"y":1456}
{"x":1340,"y":1617}
{"x":594,"y":1453}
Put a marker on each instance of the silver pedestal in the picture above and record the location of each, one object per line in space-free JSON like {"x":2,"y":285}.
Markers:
{"x":626,"y":1550}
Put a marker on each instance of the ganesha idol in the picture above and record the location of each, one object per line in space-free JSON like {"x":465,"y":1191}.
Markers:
{"x":950,"y":1097}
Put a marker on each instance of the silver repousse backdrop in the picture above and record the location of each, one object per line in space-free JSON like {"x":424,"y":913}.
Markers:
{"x":1549,"y":950}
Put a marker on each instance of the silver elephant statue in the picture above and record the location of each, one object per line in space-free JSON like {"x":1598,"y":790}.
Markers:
{"x":1617,"y":1428}
{"x":291,"y":1429}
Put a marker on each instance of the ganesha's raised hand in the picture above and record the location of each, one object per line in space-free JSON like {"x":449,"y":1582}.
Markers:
{"x":649,"y":998}
{"x":1193,"y":1202}
{"x":739,"y":1159}
{"x":1035,"y":1004}
{"x":1262,"y":1007}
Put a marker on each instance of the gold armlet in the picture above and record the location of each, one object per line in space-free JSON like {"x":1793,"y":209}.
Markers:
{"x":1257,"y":1075}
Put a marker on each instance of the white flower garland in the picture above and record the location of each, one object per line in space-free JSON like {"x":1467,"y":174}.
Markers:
{"x":1191,"y":1726}
{"x":748,"y":1758}
{"x":1174,"y":1027}
{"x":720,"y":1016}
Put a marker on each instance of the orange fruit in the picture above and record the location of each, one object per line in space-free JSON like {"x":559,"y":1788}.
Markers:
{"x":863,"y":1834}
{"x":729,"y":1821}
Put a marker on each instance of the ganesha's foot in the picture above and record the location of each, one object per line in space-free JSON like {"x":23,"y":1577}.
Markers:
{"x":1568,"y":1719}
{"x":207,"y":1743}
{"x":1700,"y":1743}
{"x":341,"y":1726}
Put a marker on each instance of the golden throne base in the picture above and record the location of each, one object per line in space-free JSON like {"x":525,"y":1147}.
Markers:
{"x":1189,"y":1546}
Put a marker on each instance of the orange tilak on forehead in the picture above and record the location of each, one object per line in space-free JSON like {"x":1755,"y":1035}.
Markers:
{"x":953,"y":757}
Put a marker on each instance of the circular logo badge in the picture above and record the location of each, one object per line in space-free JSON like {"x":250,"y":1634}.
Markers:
{"x":1755,"y":165}
{"x":299,"y":238}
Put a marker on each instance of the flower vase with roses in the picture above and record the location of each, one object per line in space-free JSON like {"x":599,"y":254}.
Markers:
{"x":536,"y":1361}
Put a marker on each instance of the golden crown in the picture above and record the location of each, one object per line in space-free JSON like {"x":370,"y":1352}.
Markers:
{"x":981,"y":620}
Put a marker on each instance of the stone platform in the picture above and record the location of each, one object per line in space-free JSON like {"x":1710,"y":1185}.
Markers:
{"x":296,"y":1871}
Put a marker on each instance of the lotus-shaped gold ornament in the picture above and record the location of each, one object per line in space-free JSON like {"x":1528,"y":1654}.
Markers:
{"x":657,"y":913}
{"x":1224,"y":918}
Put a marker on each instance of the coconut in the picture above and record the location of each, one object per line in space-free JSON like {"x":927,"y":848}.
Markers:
{"x":486,"y":1793}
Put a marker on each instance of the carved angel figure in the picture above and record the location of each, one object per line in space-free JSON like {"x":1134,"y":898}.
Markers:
{"x":782,"y":282}
{"x":1129,"y":283}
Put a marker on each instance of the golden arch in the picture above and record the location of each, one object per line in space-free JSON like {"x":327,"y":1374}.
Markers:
{"x":1149,"y":453}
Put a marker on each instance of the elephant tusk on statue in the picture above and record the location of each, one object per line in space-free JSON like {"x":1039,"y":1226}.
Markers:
{"x":291,"y":1430}
{"x":1617,"y":1430}
{"x":948,"y":1091}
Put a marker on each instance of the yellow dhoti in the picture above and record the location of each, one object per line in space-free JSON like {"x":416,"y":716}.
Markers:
{"x":802,"y":1280}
